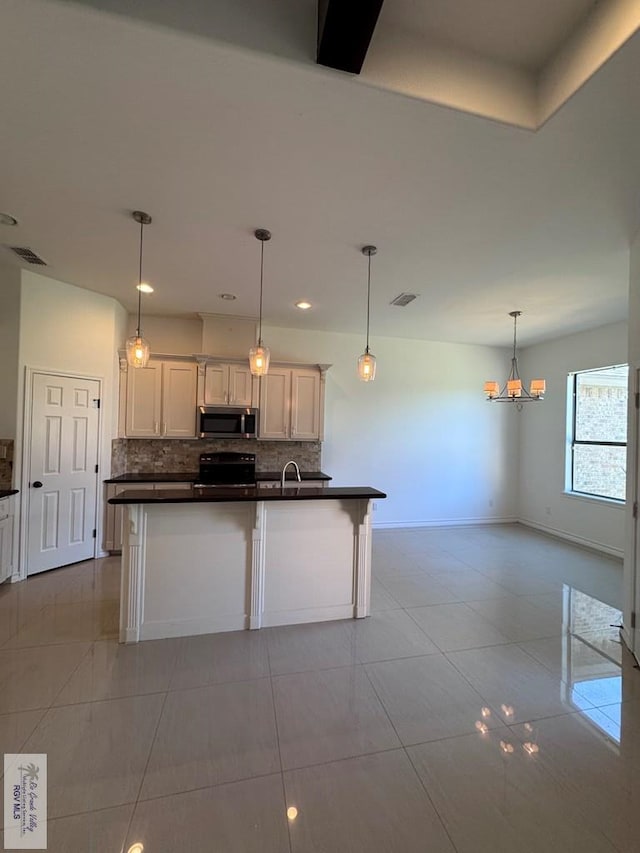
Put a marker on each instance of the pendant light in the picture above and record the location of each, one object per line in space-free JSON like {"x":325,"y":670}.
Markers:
{"x":513,"y":390}
{"x":137,"y":347}
{"x":259,"y":355}
{"x":367,"y":361}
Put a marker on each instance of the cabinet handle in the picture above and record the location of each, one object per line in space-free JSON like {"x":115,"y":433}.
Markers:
{"x":155,"y":428}
{"x":164,"y":429}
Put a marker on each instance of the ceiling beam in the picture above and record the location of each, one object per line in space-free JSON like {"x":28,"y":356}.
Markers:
{"x":345,"y":29}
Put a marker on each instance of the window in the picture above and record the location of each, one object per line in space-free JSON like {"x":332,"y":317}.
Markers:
{"x":598,"y":424}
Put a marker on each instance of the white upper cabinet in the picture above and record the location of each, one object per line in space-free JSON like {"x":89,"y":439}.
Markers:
{"x":228,"y":384}
{"x":179,"y":381}
{"x":275,"y":404}
{"x":160,"y":400}
{"x":143,"y":400}
{"x":305,"y":404}
{"x":291,"y":403}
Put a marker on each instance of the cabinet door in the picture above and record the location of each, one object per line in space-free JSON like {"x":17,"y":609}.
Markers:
{"x":179,"y":380}
{"x":305,"y":404}
{"x":6,"y":537}
{"x":275,"y":396}
{"x":240,"y":385}
{"x":144,"y":390}
{"x":216,"y":384}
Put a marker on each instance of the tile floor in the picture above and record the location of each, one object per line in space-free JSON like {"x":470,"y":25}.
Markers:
{"x":486,"y":706}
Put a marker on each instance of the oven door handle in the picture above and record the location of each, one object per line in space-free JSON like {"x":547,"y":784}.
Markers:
{"x":242,"y":423}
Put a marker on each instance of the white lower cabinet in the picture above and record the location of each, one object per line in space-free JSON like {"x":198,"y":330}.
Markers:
{"x":276,"y":484}
{"x":6,"y":539}
{"x":113,"y":513}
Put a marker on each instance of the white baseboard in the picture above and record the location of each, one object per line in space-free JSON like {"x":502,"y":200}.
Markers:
{"x":308,"y":614}
{"x":443,"y":522}
{"x":191,"y":627}
{"x":570,"y":537}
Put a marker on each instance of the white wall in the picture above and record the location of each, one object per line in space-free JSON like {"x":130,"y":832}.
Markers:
{"x":175,"y":335}
{"x":422,"y":431}
{"x":71,"y":330}
{"x":9,"y":336}
{"x":542,"y":499}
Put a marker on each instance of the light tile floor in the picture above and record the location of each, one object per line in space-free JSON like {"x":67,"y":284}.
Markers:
{"x":486,"y":706}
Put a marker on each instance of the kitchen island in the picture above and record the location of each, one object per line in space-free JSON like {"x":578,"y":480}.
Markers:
{"x":204,"y":560}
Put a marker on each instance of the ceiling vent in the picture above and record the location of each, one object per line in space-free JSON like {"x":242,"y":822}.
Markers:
{"x":28,"y":255}
{"x":403,"y":299}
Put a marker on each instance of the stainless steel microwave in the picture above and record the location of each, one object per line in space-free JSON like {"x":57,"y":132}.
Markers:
{"x":227,"y":422}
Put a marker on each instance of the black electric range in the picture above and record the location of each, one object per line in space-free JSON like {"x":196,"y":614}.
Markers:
{"x":226,"y":469}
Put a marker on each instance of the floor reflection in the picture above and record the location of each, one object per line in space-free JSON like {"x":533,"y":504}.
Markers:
{"x":592,"y":659}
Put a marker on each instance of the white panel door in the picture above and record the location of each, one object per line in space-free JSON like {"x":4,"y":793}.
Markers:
{"x":179,"y":392}
{"x":62,"y":475}
{"x":305,"y":404}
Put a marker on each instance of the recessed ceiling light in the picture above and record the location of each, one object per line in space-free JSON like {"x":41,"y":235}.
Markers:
{"x":303,"y":305}
{"x":7,"y":219}
{"x":228,"y":296}
{"x":144,"y":287}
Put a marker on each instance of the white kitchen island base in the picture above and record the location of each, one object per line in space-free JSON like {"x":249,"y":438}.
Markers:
{"x":205,"y":567}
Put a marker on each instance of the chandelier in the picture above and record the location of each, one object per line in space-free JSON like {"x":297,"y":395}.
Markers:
{"x":513,"y":390}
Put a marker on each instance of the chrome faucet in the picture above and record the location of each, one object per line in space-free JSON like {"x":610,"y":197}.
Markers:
{"x":284,"y":471}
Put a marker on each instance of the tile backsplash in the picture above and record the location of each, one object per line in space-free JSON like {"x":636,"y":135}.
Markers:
{"x":6,"y":463}
{"x":148,"y":455}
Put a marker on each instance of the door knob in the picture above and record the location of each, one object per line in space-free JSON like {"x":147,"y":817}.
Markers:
{"x":36,"y":484}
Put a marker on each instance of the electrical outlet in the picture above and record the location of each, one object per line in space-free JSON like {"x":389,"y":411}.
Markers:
{"x":3,"y":451}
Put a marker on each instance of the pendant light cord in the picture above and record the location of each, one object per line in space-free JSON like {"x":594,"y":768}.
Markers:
{"x":261,"y":280}
{"x":368,"y":300}
{"x":515,"y":374}
{"x":140,"y":279}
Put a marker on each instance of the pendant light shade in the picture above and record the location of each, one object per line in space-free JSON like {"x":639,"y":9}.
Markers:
{"x":259,"y":355}
{"x":513,"y":390}
{"x":137,"y":347}
{"x":367,"y":361}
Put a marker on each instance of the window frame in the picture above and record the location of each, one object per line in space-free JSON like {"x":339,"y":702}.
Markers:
{"x":572,"y":441}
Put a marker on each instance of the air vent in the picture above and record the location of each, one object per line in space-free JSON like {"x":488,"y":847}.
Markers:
{"x":28,"y":255}
{"x":403,"y":299}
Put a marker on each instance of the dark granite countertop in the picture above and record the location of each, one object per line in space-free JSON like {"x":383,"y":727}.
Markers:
{"x":192,"y":477}
{"x":6,"y":493}
{"x":232,"y":494}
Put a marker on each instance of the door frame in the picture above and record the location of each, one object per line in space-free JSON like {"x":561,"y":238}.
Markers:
{"x":27,"y":433}
{"x":631,"y":580}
